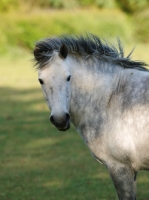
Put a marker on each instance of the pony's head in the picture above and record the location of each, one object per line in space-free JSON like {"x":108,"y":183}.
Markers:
{"x":54,"y":77}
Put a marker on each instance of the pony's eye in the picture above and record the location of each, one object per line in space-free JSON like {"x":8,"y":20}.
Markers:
{"x":41,"y":81}
{"x":68,"y":78}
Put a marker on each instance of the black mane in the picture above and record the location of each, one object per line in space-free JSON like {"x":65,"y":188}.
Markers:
{"x":89,"y":46}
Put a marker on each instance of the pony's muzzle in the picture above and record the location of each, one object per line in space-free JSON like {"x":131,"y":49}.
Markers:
{"x":62,"y":123}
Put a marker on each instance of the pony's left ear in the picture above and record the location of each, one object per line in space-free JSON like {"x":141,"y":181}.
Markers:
{"x":63,"y":51}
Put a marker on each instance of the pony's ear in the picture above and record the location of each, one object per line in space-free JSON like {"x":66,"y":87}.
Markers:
{"x":37,"y":53}
{"x":63,"y":51}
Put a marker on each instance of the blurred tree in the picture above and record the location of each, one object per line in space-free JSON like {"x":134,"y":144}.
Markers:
{"x":63,"y":3}
{"x":106,"y":3}
{"x":132,"y":6}
{"x":6,"y":5}
{"x":86,"y":2}
{"x":141,"y":21}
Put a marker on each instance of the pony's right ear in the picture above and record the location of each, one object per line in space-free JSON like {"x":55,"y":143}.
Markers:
{"x":63,"y":51}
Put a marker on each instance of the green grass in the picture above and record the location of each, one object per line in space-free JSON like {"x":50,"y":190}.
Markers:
{"x":37,"y":161}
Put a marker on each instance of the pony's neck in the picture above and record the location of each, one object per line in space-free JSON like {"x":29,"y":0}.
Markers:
{"x":91,"y":89}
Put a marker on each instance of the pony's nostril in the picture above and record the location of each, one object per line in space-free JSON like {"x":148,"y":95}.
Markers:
{"x":52,"y":119}
{"x":67,"y":117}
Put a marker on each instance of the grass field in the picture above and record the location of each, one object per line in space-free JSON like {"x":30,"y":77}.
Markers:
{"x":37,"y":162}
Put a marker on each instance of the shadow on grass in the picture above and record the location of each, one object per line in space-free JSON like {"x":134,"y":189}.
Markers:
{"x":37,"y":162}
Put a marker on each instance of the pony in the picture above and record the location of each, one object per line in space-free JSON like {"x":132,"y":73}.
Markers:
{"x":105,"y":95}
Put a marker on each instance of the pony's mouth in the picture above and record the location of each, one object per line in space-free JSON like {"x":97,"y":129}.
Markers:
{"x":64,"y":128}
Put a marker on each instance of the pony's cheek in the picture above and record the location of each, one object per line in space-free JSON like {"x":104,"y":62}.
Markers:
{"x":46,"y":99}
{"x":48,"y":104}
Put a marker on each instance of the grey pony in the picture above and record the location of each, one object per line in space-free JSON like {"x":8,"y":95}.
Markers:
{"x":105,"y":95}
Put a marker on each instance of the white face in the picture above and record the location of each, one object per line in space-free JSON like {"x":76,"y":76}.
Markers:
{"x":55,"y":81}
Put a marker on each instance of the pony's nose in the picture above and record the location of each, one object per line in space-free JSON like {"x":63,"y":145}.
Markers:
{"x":60,"y":120}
